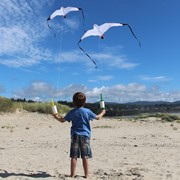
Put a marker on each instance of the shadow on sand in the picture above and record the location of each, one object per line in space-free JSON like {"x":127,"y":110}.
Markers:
{"x":38,"y":174}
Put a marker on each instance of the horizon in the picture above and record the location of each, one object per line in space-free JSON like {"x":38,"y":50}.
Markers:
{"x":106,"y":102}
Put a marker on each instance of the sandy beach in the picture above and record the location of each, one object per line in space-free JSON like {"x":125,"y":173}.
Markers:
{"x":36,"y":146}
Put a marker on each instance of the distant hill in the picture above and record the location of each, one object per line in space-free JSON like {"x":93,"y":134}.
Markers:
{"x":149,"y":102}
{"x":176,"y":102}
{"x":143,"y":103}
{"x":138,"y":107}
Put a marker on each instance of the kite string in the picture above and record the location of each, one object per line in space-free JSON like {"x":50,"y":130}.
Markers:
{"x":101,"y":64}
{"x":58,"y":68}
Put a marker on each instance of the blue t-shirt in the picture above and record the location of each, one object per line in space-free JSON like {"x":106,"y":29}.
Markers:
{"x":80,"y":118}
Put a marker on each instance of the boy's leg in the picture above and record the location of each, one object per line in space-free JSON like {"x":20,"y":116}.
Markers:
{"x":85,"y":166}
{"x":85,"y":154}
{"x":74,"y":153}
{"x":73,"y":166}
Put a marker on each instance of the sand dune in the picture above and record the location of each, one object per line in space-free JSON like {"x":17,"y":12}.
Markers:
{"x":36,"y":146}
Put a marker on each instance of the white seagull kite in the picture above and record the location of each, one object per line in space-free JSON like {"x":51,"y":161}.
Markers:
{"x":99,"y":31}
{"x":63,"y":12}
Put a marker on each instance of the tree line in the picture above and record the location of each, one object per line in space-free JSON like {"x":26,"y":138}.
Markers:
{"x":116,"y":109}
{"x":126,"y":109}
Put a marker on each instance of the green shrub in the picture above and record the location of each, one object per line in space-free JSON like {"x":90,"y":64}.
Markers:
{"x":43,"y":107}
{"x":164,"y":117}
{"x":142,"y":116}
{"x":6,"y":105}
{"x":170,"y":117}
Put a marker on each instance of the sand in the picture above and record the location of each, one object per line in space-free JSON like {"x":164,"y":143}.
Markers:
{"x":36,"y":146}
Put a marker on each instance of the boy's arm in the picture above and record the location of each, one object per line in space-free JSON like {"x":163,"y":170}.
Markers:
{"x":59,"y":118}
{"x":99,"y":116}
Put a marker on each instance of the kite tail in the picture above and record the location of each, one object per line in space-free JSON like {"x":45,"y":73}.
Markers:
{"x":51,"y":29}
{"x":133,"y":34}
{"x":82,"y":15}
{"x":87,"y":54}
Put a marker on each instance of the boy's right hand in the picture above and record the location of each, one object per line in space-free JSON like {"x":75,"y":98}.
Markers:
{"x":56,"y":116}
{"x":59,"y":118}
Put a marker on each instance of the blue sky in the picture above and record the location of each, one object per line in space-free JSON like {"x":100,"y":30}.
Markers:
{"x":36,"y":65}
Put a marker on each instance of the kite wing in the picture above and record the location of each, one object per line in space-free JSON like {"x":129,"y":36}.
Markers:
{"x":104,"y":27}
{"x":69,"y":9}
{"x":99,"y":30}
{"x":91,"y":32}
{"x":63,"y":12}
{"x":58,"y":12}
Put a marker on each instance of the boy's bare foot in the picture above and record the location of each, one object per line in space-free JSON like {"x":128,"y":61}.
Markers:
{"x":72,"y":176}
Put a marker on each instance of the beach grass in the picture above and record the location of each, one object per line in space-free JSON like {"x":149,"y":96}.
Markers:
{"x":162,"y":116}
{"x":7,"y":105}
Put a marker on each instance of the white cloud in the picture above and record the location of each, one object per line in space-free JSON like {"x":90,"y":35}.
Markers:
{"x":120,"y":62}
{"x":118,"y":93}
{"x":68,"y":91}
{"x":44,"y":91}
{"x":13,"y":40}
{"x":21,"y":33}
{"x":112,"y":57}
{"x":155,"y":78}
{"x":36,"y":89}
{"x":101,"y":78}
{"x":104,"y":78}
{"x":72,"y":23}
{"x":68,"y":57}
{"x":104,"y":59}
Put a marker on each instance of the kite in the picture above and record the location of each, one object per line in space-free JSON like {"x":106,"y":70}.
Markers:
{"x":99,"y":31}
{"x":63,"y":12}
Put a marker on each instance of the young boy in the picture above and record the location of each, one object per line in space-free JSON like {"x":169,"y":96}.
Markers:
{"x":80,"y":131}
